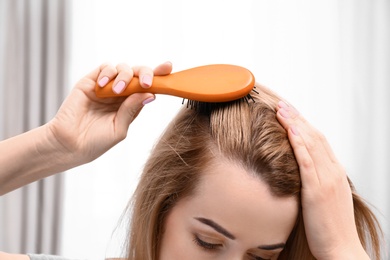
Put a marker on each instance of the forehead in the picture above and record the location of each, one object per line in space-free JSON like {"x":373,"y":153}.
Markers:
{"x":243,"y":204}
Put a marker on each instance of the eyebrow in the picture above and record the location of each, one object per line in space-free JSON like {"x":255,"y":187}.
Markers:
{"x":227,"y":234}
{"x":216,"y":227}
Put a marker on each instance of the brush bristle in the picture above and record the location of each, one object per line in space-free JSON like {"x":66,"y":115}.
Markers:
{"x":207,"y":107}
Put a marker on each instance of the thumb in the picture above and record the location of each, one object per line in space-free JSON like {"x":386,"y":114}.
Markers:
{"x":129,"y":110}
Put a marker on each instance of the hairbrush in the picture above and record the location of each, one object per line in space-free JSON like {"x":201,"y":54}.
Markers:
{"x":210,"y":83}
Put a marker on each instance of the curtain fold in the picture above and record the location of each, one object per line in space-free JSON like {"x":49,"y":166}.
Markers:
{"x":34,"y":49}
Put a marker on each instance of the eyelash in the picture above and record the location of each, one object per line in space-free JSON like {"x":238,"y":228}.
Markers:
{"x":209,"y":247}
{"x":205,"y":245}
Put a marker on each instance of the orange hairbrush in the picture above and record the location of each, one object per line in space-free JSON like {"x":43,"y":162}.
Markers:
{"x":210,"y":83}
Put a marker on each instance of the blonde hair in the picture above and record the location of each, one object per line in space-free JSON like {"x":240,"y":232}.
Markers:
{"x":246,"y":133}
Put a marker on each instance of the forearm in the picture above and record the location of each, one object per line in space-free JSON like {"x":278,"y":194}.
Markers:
{"x":5,"y":256}
{"x":29,"y":157}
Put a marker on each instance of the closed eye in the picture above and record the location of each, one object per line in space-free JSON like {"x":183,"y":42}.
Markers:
{"x":205,"y":245}
{"x":211,"y":247}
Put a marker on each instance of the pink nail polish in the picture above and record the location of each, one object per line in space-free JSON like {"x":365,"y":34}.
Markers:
{"x":103,"y":81}
{"x":147,"y":80}
{"x":148,"y":100}
{"x":119,"y":87}
{"x":284,"y":113}
{"x":282,"y":104}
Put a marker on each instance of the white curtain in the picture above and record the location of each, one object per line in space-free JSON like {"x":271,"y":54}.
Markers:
{"x":33,"y":77}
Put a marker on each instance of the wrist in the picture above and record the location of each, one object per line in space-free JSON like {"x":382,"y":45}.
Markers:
{"x":61,"y":154}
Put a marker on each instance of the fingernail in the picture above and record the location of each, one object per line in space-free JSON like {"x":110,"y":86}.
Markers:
{"x":282,"y":104}
{"x":147,"y":80}
{"x":284,"y":113}
{"x":148,"y":100}
{"x":103,"y":81}
{"x":294,"y":130}
{"x":119,"y":87}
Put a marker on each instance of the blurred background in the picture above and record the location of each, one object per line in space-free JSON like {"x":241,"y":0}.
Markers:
{"x":329,"y":58}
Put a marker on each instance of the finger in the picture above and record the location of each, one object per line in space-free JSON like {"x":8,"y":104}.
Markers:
{"x":315,"y":142}
{"x":101,"y":74}
{"x":129,"y":110}
{"x":315,"y":134}
{"x":307,"y":169}
{"x":307,"y":166}
{"x":125,"y":75}
{"x":312,"y":140}
{"x":107,"y":73}
{"x":290,"y":116}
{"x":163,"y":69}
{"x":93,"y":75}
{"x":312,"y":132}
{"x":145,"y":75}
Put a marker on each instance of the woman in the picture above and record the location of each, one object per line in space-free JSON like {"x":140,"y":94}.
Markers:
{"x":234,"y":181}
{"x":232,"y":166}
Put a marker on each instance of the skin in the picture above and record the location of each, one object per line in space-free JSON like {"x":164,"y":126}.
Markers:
{"x":327,"y":204}
{"x":85,"y":127}
{"x":241,"y":204}
{"x":5,"y":256}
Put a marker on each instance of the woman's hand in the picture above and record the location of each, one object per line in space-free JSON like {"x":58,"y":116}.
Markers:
{"x":86,"y":126}
{"x":327,"y":203}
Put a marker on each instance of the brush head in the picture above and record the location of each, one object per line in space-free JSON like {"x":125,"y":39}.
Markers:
{"x":207,"y":107}
{"x":210,"y":83}
{"x":215,"y":83}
